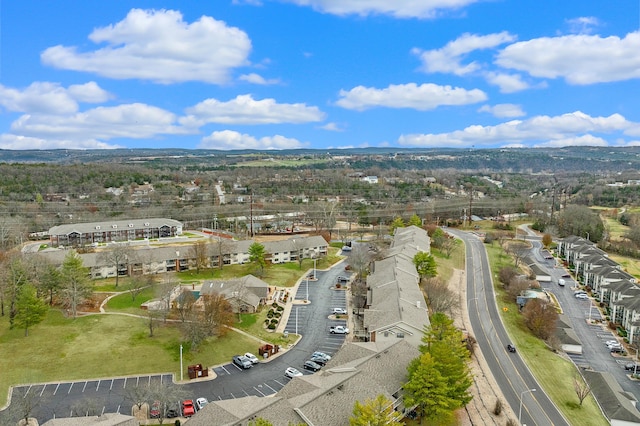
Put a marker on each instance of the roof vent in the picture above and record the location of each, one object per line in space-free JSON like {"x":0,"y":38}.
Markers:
{"x":98,"y":227}
{"x":114,"y":226}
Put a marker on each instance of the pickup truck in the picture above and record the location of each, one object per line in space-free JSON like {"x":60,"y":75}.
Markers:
{"x":338,"y":329}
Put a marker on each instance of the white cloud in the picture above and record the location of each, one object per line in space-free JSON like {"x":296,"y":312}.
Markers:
{"x":395,"y":8}
{"x":424,"y":97}
{"x":257,"y":79}
{"x":543,"y":129}
{"x":229,"y":139}
{"x":158,"y":45}
{"x":583,"y":24}
{"x":503,"y":110}
{"x":89,"y":92}
{"x":245,"y":110}
{"x":332,"y":127}
{"x":579,"y":59}
{"x":448,"y":59}
{"x":38,"y":97}
{"x":508,"y":83}
{"x":102,"y":123}
{"x":584,"y":140}
{"x":16,"y":142}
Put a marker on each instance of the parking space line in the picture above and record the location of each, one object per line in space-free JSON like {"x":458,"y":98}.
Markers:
{"x":258,"y":390}
{"x":103,"y":408}
{"x":124,"y":385}
{"x":97,"y":385}
{"x":118,"y":410}
{"x":232,"y":396}
{"x":281,"y":384}
{"x":70,"y":388}
{"x":27,"y":392}
{"x":43,"y":388}
{"x":149,"y":380}
{"x":137,"y":380}
{"x":57,"y":386}
{"x":274,"y":391}
{"x":225,"y":370}
{"x":84,"y":387}
{"x":111,"y":387}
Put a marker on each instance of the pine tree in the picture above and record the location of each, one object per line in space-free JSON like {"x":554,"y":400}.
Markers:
{"x":30,"y":309}
{"x":375,"y":412}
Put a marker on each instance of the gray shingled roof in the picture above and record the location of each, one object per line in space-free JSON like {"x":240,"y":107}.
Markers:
{"x":616,"y":404}
{"x":107,"y":419}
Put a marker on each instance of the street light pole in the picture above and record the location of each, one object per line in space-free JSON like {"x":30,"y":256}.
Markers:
{"x":307,"y":299}
{"x":520,"y":409}
{"x":181,"y":369}
{"x":314,"y":268}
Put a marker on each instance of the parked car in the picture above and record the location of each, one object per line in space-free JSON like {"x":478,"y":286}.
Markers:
{"x":581,"y":296}
{"x":201,"y":402}
{"x":610,"y":342}
{"x":566,"y":276}
{"x":242,"y":361}
{"x":561,"y":282}
{"x":154,"y":411}
{"x":339,"y":311}
{"x":342,"y":280}
{"x":292,"y":372}
{"x":172,"y":413}
{"x":251,"y":357}
{"x":511,"y":348}
{"x":322,"y":355}
{"x":617,"y":349}
{"x":632,"y":366}
{"x":188,"y":409}
{"x":313,"y":366}
{"x":339,"y":329}
{"x":318,"y":360}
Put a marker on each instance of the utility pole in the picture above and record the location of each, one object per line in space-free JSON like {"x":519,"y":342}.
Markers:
{"x":251,"y":214}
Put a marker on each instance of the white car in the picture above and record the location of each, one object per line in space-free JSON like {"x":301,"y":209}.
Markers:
{"x":292,"y":372}
{"x":201,"y":402}
{"x":251,"y":357}
{"x":339,"y":311}
{"x":611,"y":342}
{"x":581,"y":296}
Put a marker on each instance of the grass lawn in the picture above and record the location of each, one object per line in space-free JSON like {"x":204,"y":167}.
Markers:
{"x":101,"y":346}
{"x":125,"y":303}
{"x":253,"y":324}
{"x":446,"y":265}
{"x":554,"y":373}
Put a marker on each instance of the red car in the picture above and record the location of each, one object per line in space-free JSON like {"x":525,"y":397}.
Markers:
{"x":188,"y":409}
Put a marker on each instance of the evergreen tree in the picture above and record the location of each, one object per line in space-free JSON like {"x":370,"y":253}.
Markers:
{"x":257,"y":256}
{"x":76,"y":285}
{"x":427,"y":389}
{"x":30,"y":309}
{"x":425,"y":265}
{"x":415,"y":221}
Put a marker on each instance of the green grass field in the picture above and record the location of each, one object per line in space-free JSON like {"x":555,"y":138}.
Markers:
{"x":97,"y":346}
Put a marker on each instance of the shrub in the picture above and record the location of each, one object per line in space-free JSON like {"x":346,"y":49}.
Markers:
{"x":497,"y":409}
{"x":270,"y":313}
{"x":277,"y":314}
{"x":274,"y":321}
{"x":280,"y":308}
{"x":338,"y":285}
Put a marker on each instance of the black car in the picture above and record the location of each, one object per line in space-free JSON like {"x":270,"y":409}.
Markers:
{"x":172,"y":413}
{"x":632,"y":367}
{"x":310,"y":365}
{"x":511,"y":348}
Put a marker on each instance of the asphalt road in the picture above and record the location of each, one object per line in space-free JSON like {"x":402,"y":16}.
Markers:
{"x":510,"y":372}
{"x":311,"y":320}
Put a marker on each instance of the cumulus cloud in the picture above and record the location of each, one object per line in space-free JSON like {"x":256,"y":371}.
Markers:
{"x":245,"y":110}
{"x":50,"y":98}
{"x":575,"y":126}
{"x":158,"y":45}
{"x":507,"y":83}
{"x":448,"y":59}
{"x":424,"y":97}
{"x":503,"y":110}
{"x":579,"y":59}
{"x":254,"y":78}
{"x":229,"y":139}
{"x":16,"y":142}
{"x":102,"y":123}
{"x":397,"y":8}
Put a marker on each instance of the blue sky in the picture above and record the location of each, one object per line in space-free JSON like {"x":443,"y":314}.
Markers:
{"x":321,"y":74}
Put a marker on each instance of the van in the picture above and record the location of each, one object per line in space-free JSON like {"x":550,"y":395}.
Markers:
{"x":561,"y":282}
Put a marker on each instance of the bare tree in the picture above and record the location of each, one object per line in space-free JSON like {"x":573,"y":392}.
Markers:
{"x":223,"y":246}
{"x":23,"y":405}
{"x":517,"y":286}
{"x":200,"y":254}
{"x":540,"y":317}
{"x":448,"y":245}
{"x":136,"y":285}
{"x":138,"y":395}
{"x":439,"y":297}
{"x":518,"y":250}
{"x":166,"y":394}
{"x":184,"y":304}
{"x":118,"y":256}
{"x":218,"y":314}
{"x":581,"y":387}
{"x":360,"y":258}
